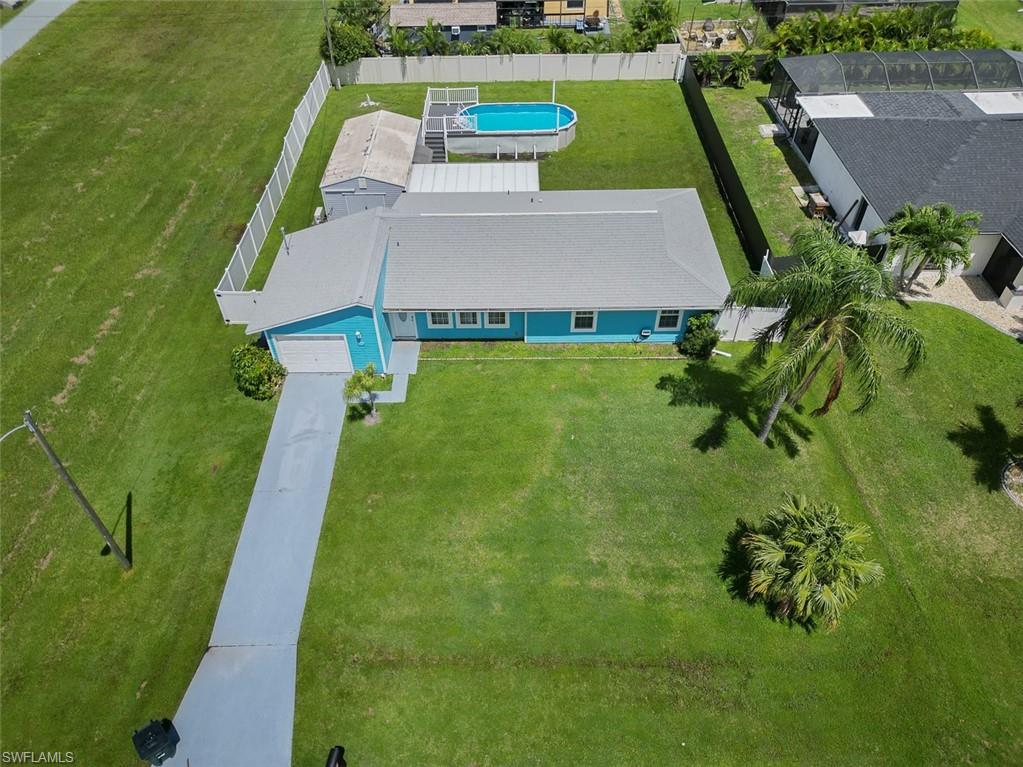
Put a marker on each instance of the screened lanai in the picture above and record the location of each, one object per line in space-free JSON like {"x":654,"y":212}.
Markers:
{"x":865,"y":71}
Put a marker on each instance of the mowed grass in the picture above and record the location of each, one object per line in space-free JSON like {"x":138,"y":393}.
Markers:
{"x":999,"y":17}
{"x":519,"y":565}
{"x":768,"y":167}
{"x":136,"y":139}
{"x":630,"y":135}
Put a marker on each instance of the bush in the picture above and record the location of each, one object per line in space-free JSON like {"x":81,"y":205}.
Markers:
{"x":653,"y":22}
{"x":740,"y":69}
{"x":706,"y":67}
{"x":701,"y":337}
{"x":256,"y":373}
{"x":350,"y":43}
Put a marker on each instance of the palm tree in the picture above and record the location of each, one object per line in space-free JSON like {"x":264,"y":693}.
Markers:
{"x":432,"y":39}
{"x":401,"y":42}
{"x":707,"y":67}
{"x":945,"y":240}
{"x":740,"y":69}
{"x":364,"y":383}
{"x":807,"y":562}
{"x":903,"y":230}
{"x":560,"y":40}
{"x":835,"y":314}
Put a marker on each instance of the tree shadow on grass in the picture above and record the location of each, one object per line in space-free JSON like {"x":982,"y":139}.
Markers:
{"x":734,"y":571}
{"x":989,"y":444}
{"x":705,"y":385}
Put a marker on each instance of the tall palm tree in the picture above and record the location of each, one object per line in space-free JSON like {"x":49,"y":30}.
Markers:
{"x":807,"y":562}
{"x":903,"y":230}
{"x":835,"y":315}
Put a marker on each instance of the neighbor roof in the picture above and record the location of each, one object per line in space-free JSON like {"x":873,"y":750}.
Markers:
{"x":378,"y":145}
{"x":444,"y":14}
{"x":616,"y":249}
{"x":323,"y":268}
{"x":969,"y":163}
{"x":475,"y":177}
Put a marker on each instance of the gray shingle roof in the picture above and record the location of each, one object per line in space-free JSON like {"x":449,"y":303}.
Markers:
{"x":521,"y":250}
{"x":971,"y":164}
{"x":323,"y":268}
{"x":553,"y":250}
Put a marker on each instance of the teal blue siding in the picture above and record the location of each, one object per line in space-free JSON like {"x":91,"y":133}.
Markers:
{"x":345,"y":321}
{"x":386,"y":339}
{"x":515,"y":330}
{"x":612,"y":327}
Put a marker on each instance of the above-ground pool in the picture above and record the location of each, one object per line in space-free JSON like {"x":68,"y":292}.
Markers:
{"x":533,"y":117}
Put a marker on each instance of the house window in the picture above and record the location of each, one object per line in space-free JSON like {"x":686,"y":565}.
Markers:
{"x":669,"y":319}
{"x":438,"y":319}
{"x":584,"y":322}
{"x":468,"y":319}
{"x":574,"y":4}
{"x":497,"y":319}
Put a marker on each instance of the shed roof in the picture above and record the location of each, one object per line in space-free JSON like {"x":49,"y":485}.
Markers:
{"x":378,"y":145}
{"x":323,"y":268}
{"x":475,"y":177}
{"x":617,"y":249}
{"x":445,"y":14}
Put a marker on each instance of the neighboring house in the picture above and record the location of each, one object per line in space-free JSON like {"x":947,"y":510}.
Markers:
{"x":370,"y":164}
{"x":563,"y":12}
{"x":881,"y":130}
{"x":625,"y":266}
{"x":776,"y":11}
{"x":458,"y":21}
{"x":510,"y":13}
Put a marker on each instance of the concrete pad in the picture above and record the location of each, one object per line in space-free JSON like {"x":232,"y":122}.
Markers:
{"x":269,"y":578}
{"x":239,"y":709}
{"x":404,"y":357}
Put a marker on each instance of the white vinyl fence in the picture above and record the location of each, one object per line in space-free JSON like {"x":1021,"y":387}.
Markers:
{"x":742,"y":324}
{"x":663,"y":65}
{"x":231,"y":295}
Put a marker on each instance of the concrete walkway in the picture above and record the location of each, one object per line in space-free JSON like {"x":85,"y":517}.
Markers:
{"x":23,"y":27}
{"x":239,"y":708}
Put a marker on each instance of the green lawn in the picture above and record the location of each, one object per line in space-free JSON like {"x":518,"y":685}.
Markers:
{"x":136,"y":139}
{"x":768,"y":167}
{"x":630,"y":135}
{"x":6,"y":14}
{"x":520,"y":565}
{"x":999,"y":17}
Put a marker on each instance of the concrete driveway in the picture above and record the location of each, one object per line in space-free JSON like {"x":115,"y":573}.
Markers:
{"x":239,"y":708}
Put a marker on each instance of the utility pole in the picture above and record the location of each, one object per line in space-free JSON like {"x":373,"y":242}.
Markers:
{"x":330,"y":39}
{"x":76,"y":492}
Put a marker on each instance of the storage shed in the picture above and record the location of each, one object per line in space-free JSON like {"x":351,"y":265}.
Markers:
{"x":370,"y":164}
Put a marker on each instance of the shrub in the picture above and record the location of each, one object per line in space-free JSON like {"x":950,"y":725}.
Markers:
{"x":350,"y":43}
{"x":701,"y":337}
{"x":707,"y":67}
{"x":654,"y":22}
{"x":256,"y":373}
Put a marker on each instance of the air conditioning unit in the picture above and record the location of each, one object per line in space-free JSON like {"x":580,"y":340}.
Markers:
{"x":319,"y":216}
{"x":858,"y":237}
{"x":456,"y":32}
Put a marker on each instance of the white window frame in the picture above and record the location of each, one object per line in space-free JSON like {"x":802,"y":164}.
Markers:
{"x":431,"y":324}
{"x":460,"y":324}
{"x":657,"y":322}
{"x":505,"y":324}
{"x":572,"y":328}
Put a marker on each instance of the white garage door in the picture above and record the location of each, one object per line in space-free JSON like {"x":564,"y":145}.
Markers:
{"x":314,"y":354}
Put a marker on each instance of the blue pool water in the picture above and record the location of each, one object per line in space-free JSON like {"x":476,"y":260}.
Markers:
{"x":520,"y":118}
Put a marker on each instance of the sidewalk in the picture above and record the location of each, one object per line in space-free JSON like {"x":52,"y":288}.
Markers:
{"x":23,"y":27}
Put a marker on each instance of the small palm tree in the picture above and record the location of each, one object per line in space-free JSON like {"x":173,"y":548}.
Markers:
{"x":707,"y":68}
{"x":934,"y":234}
{"x":431,"y":37}
{"x":401,"y":42}
{"x":560,"y":40}
{"x":364,"y":383}
{"x":740,"y":69}
{"x":807,"y":562}
{"x":835,"y":315}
